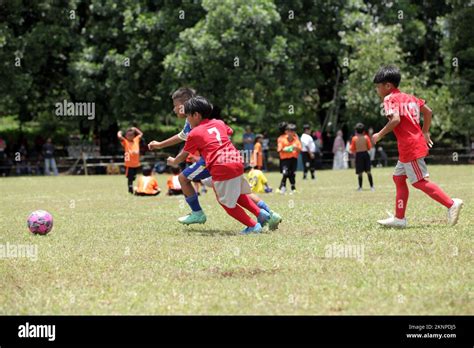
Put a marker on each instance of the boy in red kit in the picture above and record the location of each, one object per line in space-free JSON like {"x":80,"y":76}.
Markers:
{"x":403,"y":111}
{"x":211,"y":138}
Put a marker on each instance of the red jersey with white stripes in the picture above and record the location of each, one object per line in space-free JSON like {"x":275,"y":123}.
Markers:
{"x":411,"y":142}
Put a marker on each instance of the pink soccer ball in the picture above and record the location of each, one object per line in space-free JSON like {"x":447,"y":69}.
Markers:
{"x":40,"y":222}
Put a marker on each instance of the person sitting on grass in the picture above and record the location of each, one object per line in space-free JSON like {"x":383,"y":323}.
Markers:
{"x":174,"y":186}
{"x":147,"y":185}
{"x":257,"y":180}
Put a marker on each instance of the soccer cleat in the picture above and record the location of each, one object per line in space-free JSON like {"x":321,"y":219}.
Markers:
{"x":281,"y":190}
{"x":393,"y":221}
{"x":263,"y":217}
{"x":453,"y":212}
{"x":359,"y":189}
{"x":274,"y":221}
{"x":256,"y":229}
{"x":372,"y":189}
{"x":196,"y":217}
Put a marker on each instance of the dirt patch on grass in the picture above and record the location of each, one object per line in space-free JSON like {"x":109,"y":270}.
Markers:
{"x":242,"y":272}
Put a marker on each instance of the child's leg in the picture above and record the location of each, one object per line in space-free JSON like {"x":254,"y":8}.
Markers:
{"x":259,"y":202}
{"x":435,"y":192}
{"x":417,"y":171}
{"x":292,"y":171}
{"x":359,"y":176}
{"x":246,"y":202}
{"x":371,"y":181}
{"x":240,"y":215}
{"x":402,"y":195}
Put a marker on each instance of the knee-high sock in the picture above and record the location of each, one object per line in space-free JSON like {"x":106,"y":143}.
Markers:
{"x":371,"y":181}
{"x":240,"y":215}
{"x":402,"y":195}
{"x":247,"y":203}
{"x":435,"y":192}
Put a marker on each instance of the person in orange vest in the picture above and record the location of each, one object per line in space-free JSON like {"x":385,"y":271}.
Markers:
{"x":147,"y":185}
{"x":174,"y":187}
{"x":257,"y":155}
{"x":131,"y":146}
{"x":289,"y":148}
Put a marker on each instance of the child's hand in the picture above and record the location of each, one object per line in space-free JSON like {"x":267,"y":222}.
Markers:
{"x":428,"y":139}
{"x":170,"y":161}
{"x":376,"y":138}
{"x":288,"y":148}
{"x":154,"y":145}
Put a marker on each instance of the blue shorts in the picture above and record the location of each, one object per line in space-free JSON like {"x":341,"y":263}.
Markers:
{"x":197,"y":171}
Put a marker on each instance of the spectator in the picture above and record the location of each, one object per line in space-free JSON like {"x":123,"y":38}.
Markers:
{"x":266,"y":149}
{"x":383,"y":158}
{"x":257,"y":156}
{"x":308,"y":150}
{"x":3,"y":157}
{"x":249,"y":140}
{"x":339,"y":151}
{"x":112,"y":168}
{"x":49,"y":161}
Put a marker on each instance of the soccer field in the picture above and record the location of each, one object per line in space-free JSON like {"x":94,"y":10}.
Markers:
{"x":112,"y":253}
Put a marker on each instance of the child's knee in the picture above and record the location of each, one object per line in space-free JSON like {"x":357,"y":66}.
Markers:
{"x":419,"y":184}
{"x":183,"y":179}
{"x":400,"y":179}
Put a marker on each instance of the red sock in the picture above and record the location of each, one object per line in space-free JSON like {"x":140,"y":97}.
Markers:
{"x":239,"y":214}
{"x":435,"y":192}
{"x":247,"y":203}
{"x":402,"y":195}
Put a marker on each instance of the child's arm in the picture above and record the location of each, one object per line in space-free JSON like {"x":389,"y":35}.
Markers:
{"x":394,"y":120}
{"x":175,"y":139}
{"x":174,"y":161}
{"x":120,"y":136}
{"x":139,"y":132}
{"x":427,"y":116}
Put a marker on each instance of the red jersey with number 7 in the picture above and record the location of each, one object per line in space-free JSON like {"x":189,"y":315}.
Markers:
{"x":211,"y":139}
{"x":411,"y":142}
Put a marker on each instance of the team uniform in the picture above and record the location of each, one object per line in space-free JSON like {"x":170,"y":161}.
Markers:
{"x":196,"y":171}
{"x":132,"y":159}
{"x":257,"y":158}
{"x":360,"y":145}
{"x":174,"y":187}
{"x":289,"y":152}
{"x":257,"y":180}
{"x":147,"y":186}
{"x":412,"y":150}
{"x":224,"y":162}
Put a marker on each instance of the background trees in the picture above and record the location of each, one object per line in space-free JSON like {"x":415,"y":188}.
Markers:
{"x":261,"y":61}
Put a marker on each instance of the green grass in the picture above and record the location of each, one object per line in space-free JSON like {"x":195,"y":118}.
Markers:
{"x":110,"y":253}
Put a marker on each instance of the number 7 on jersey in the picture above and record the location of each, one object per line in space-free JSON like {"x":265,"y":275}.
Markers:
{"x":218,"y":135}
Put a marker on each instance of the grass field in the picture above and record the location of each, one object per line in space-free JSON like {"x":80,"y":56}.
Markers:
{"x":111,"y":253}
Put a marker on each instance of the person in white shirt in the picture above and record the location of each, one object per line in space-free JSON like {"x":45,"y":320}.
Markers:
{"x":308,"y":150}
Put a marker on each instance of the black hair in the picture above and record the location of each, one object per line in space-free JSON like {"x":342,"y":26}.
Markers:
{"x":183,"y":93}
{"x":247,"y":168}
{"x":216,"y":113}
{"x":282,"y":127}
{"x":359,"y":128}
{"x":291,"y":127}
{"x":146,"y":170}
{"x":200,"y":105}
{"x":258,"y":136}
{"x":306,"y":126}
{"x":388,"y":73}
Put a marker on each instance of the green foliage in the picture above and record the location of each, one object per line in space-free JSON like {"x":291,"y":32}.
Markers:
{"x":261,"y":61}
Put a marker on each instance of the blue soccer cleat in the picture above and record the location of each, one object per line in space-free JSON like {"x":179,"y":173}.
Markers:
{"x":263,"y":217}
{"x":256,"y":229}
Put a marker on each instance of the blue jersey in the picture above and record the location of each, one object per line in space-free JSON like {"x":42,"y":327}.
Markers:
{"x":183,"y":135}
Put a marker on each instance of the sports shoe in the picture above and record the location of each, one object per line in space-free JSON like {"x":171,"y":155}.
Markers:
{"x":274,"y":221}
{"x":196,"y":217}
{"x":372,"y":189}
{"x":453,"y":212}
{"x":393,"y":221}
{"x":263,"y":217}
{"x":281,"y":190}
{"x":256,"y":229}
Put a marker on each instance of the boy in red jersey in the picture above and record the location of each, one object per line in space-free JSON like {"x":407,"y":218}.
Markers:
{"x":211,"y":138}
{"x":403,"y":111}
